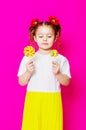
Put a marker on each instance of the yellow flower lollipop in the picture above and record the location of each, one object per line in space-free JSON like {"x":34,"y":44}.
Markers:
{"x":29,"y":51}
{"x":54,"y":53}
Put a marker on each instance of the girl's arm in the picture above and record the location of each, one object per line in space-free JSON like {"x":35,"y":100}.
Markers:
{"x":63,"y":78}
{"x":24,"y":78}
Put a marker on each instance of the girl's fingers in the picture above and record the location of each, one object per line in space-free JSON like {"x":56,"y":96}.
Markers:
{"x":54,"y":65}
{"x":30,"y":65}
{"x":31,"y":68}
{"x":30,"y":62}
{"x":53,"y":62}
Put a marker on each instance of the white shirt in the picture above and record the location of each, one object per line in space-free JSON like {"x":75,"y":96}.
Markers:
{"x":43,"y":79}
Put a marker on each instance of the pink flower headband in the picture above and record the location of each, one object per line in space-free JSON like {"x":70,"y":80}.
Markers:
{"x":52,"y":19}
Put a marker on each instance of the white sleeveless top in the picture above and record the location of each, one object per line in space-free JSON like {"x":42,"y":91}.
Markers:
{"x":43,"y":79}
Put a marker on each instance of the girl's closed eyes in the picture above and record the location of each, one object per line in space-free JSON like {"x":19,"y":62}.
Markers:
{"x":40,"y":36}
{"x":48,"y":36}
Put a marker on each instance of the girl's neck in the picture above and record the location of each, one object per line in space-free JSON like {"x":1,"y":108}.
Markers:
{"x":44,"y":51}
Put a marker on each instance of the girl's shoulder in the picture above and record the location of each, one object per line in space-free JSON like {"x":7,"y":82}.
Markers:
{"x":61,"y":57}
{"x":25,"y":59}
{"x":56,"y":55}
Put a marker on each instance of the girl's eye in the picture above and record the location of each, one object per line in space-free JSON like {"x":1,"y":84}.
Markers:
{"x":40,"y":36}
{"x":49,"y":36}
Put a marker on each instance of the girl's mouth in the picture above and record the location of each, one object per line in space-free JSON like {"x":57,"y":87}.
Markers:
{"x":45,"y":43}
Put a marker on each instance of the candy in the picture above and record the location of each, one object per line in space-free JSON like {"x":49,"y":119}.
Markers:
{"x":29,"y":51}
{"x":53,"y":53}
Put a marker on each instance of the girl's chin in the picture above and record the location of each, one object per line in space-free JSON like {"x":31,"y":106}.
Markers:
{"x":45,"y":47}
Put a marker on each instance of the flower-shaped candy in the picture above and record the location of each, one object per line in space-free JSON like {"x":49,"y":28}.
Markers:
{"x":53,"y":53}
{"x":29,"y":51}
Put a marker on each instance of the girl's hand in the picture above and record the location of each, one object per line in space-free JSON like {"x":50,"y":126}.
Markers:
{"x":30,"y":67}
{"x":55,"y":68}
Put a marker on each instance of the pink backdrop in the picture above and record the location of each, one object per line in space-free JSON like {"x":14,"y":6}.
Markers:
{"x":15,"y":18}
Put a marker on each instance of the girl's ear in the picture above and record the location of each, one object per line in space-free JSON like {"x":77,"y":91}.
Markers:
{"x":35,"y":38}
{"x":57,"y":36}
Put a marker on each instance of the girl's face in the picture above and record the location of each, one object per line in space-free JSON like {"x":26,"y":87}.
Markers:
{"x":44,"y":37}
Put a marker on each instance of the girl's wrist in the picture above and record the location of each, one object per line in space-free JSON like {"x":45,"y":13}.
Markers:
{"x":57,"y":74}
{"x":28,"y":73}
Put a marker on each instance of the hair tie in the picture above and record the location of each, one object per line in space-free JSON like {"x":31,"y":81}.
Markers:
{"x":53,"y":20}
{"x":34,"y":22}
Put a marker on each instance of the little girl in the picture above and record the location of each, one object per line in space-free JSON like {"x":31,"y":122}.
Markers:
{"x":43,"y":72}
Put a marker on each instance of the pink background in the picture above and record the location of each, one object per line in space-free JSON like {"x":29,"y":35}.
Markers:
{"x":14,"y":21}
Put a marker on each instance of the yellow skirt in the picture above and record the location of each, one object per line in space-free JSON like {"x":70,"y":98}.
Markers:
{"x":43,"y":111}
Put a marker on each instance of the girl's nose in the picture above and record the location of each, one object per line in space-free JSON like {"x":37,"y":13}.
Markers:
{"x":45,"y":38}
